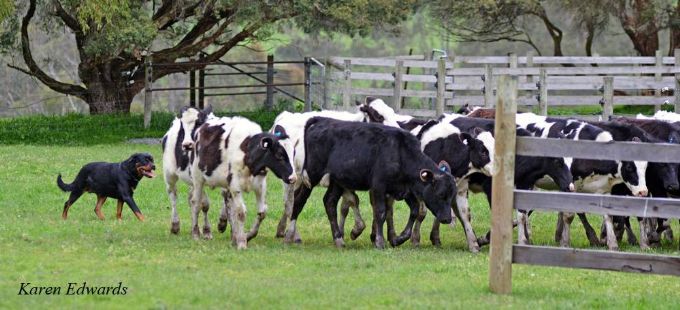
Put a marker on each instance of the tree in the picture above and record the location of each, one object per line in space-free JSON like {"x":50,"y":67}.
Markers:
{"x":114,"y":37}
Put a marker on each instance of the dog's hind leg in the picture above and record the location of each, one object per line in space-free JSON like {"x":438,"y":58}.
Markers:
{"x":71,"y":200}
{"x":98,"y":207}
{"x":119,"y":210}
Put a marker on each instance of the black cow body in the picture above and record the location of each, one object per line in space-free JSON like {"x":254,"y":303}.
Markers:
{"x":386,"y":161}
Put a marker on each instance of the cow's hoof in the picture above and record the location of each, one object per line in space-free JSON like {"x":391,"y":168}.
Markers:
{"x":436,"y":242}
{"x":174,"y":228}
{"x":241,"y":245}
{"x":196,"y":233}
{"x":207,"y":234}
{"x":356,"y":232}
{"x":373,"y":237}
{"x":474,"y":249}
{"x":339,"y":243}
{"x":289,"y":237}
{"x":379,"y":243}
{"x":482,"y":241}
{"x":222,"y":225}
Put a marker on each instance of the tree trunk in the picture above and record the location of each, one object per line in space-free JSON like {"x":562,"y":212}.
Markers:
{"x":107,"y":88}
{"x":675,"y":30}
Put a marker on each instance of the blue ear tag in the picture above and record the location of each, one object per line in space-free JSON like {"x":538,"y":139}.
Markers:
{"x":278,"y":133}
{"x":671,"y":140}
{"x":442,"y":168}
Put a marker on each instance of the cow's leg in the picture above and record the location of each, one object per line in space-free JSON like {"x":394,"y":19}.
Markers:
{"x":644,"y":232}
{"x":664,"y":229}
{"x":379,"y":203}
{"x":590,"y":231}
{"x":205,"y":206}
{"x":610,"y":234}
{"x":171,"y":188}
{"x":344,"y":212}
{"x":330,"y":202}
{"x":353,"y":201}
{"x":632,"y":240}
{"x":98,"y":206}
{"x":465,"y":219}
{"x":288,"y":198}
{"x":260,"y":188}
{"x":301,"y":196}
{"x":559,"y":227}
{"x":225,"y":219}
{"x":567,"y":219}
{"x":523,"y":228}
{"x":415,"y":233}
{"x":414,"y":206}
{"x":238,"y":219}
{"x":196,"y":198}
{"x":389,"y":217}
{"x":434,"y":233}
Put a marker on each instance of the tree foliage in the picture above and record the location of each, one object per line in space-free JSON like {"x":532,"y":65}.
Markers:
{"x":114,"y":37}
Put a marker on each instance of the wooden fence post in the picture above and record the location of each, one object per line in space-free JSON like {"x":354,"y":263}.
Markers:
{"x":657,"y":77}
{"x":529,"y":64}
{"x":201,"y":84}
{"x":502,"y":196}
{"x":308,"y":84}
{"x":192,"y":88}
{"x":488,"y":86}
{"x":347,"y":91}
{"x":148,"y":92}
{"x":608,"y":98}
{"x":396,"y":97}
{"x":269,"y":102}
{"x":325,"y":76}
{"x":676,"y":91}
{"x":441,"y":86}
{"x":543,"y":92}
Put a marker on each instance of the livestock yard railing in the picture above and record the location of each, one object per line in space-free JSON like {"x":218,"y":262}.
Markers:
{"x":263,"y":77}
{"x":542,"y":81}
{"x":504,"y":198}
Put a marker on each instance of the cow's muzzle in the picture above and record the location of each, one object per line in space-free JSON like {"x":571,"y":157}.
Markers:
{"x":291,"y":179}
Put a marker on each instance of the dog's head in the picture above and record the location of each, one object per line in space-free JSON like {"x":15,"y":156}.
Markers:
{"x":141,"y":165}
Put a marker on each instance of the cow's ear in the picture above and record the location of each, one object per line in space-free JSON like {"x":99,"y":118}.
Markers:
{"x":369,"y":99}
{"x":266,"y":142}
{"x":280,"y":132}
{"x":636,"y":139}
{"x":363,"y":108}
{"x":426,"y":175}
{"x":476,"y":131}
{"x":182,"y":110}
{"x":207,"y":110}
{"x":357,"y":102}
{"x":444,"y":166}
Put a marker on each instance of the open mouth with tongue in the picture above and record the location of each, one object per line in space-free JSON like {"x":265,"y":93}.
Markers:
{"x":146,"y":170}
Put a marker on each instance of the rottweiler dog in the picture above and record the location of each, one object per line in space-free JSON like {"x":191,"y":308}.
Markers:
{"x":114,"y":180}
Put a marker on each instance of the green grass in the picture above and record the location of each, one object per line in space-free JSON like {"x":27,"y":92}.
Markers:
{"x":166,"y":271}
{"x":76,"y":129}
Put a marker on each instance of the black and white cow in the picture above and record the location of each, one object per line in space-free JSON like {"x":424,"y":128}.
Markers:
{"x":234,"y":154}
{"x":176,"y":165}
{"x":385,"y":161}
{"x":590,"y":176}
{"x":294,"y":125}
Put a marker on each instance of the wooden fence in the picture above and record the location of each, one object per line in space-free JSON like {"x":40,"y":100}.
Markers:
{"x":504,"y":198}
{"x":542,"y":81}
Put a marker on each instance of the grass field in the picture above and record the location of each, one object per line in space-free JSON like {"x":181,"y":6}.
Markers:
{"x":166,"y":271}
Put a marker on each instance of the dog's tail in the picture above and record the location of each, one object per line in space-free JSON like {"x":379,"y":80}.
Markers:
{"x":64,"y":187}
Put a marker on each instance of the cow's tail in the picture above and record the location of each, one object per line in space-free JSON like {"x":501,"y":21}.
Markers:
{"x":63,"y":186}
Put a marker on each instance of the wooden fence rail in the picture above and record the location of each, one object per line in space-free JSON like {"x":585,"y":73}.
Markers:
{"x":504,"y":198}
{"x":543,"y":81}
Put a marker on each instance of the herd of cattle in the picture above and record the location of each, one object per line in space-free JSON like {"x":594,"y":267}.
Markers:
{"x":430,"y":164}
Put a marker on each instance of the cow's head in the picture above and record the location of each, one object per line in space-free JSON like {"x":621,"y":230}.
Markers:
{"x":464,"y":110}
{"x":263,"y":150}
{"x":557,"y":169}
{"x":481,"y":144}
{"x":633,"y":174}
{"x":377,"y":111}
{"x":191,"y":119}
{"x":436,"y":188}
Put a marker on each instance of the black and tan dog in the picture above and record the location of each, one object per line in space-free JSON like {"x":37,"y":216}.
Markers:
{"x":114,"y":180}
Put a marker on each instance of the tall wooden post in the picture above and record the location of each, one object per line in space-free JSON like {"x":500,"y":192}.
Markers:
{"x":676,"y":91}
{"x":657,"y":77}
{"x":529,"y":64}
{"x":543,"y":92}
{"x":192,"y":88}
{"x":269,"y":102}
{"x":396,"y":97}
{"x":441,"y":86}
{"x":347,"y":90}
{"x":148,"y":91}
{"x":488,"y":86}
{"x":201,"y":84}
{"x":325,"y":76}
{"x":502,"y":196}
{"x":608,"y":98}
{"x":308,"y":85}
